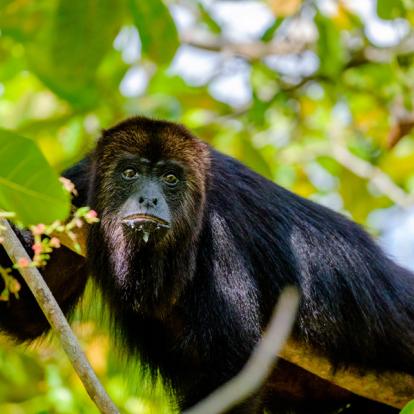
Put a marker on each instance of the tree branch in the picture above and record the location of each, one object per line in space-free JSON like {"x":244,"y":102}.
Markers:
{"x":257,"y":49}
{"x":58,"y":322}
{"x":247,"y":50}
{"x":366,"y":170}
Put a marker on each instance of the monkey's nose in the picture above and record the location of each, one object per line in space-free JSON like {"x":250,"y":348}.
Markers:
{"x":148,"y":201}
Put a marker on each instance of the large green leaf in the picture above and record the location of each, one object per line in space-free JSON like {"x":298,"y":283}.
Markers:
{"x":157,"y":31}
{"x":28,"y":185}
{"x":67,"y":52}
{"x":330,"y":47}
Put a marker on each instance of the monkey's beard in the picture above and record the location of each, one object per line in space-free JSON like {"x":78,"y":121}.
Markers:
{"x":148,"y":276}
{"x":145,"y":231}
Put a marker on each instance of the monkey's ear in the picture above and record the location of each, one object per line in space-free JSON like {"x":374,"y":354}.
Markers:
{"x":80,"y":175}
{"x":105,"y":136}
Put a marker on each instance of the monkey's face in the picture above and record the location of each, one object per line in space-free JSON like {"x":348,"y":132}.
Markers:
{"x":151,"y":183}
{"x":150,"y":194}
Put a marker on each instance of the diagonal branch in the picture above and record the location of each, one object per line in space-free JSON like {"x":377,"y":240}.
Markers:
{"x":57,"y":320}
{"x":260,"y":364}
{"x":377,"y":177}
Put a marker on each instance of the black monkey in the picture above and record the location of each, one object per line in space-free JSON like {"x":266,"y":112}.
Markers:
{"x":191,"y":253}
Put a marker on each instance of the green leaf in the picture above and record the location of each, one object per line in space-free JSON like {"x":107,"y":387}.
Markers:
{"x":268,"y":34}
{"x":409,"y":408}
{"x":330,"y":47}
{"x":390,"y":9}
{"x":68,"y":51}
{"x":28,"y":185}
{"x":156,"y":27}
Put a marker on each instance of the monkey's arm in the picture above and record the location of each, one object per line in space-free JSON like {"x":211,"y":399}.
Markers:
{"x":65,"y":273}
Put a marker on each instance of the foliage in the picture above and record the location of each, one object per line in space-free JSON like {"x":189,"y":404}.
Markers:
{"x":28,"y":184}
{"x":409,"y":408}
{"x":322,"y":95}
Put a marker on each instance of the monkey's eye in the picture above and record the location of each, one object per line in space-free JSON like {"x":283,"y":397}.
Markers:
{"x":170,"y":179}
{"x":129,"y":174}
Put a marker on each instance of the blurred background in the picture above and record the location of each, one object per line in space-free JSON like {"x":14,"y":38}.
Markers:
{"x":315,"y":95}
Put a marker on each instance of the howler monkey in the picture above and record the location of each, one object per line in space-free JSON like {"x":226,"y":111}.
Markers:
{"x":190,"y":254}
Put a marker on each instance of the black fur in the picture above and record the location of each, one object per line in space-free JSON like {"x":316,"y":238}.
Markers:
{"x":194,"y":307}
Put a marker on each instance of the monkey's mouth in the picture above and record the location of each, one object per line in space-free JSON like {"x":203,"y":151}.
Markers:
{"x":145,"y":224}
{"x":137,"y":220}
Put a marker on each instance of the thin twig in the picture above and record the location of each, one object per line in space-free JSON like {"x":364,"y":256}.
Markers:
{"x":261,"y":362}
{"x":376,"y":176}
{"x":248,"y":50}
{"x":257,"y":49}
{"x":58,"y":322}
